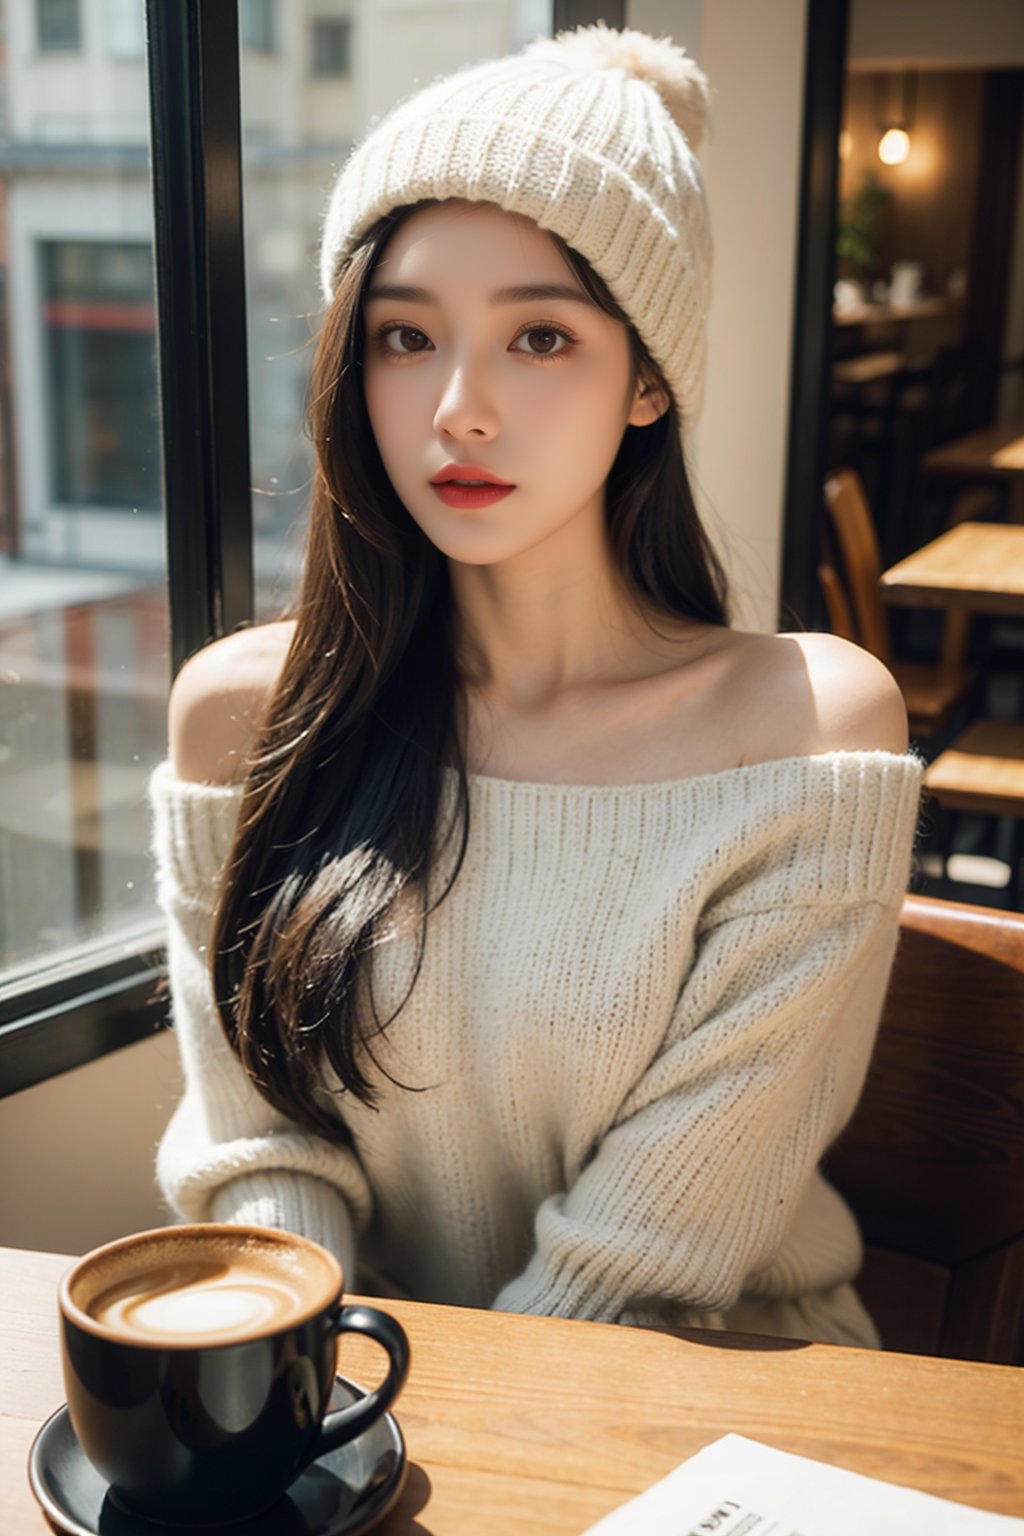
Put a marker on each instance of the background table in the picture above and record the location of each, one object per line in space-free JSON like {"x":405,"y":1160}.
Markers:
{"x":990,"y":453}
{"x":977,"y":566}
{"x":523,"y":1424}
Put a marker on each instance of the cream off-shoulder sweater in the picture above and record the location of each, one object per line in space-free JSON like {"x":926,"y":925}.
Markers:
{"x":644,"y":1013}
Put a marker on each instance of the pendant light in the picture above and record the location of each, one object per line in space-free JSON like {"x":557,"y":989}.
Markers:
{"x":895,"y":123}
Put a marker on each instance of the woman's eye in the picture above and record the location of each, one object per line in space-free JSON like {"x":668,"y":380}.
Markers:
{"x":410,"y":338}
{"x":544,"y":341}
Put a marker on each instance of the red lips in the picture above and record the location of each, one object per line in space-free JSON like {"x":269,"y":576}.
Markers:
{"x":469,"y":497}
{"x":468,"y":472}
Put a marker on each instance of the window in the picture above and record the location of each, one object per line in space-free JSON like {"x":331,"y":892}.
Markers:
{"x":257,"y":25}
{"x":101,"y":400}
{"x":330,"y":39}
{"x":57,"y":25}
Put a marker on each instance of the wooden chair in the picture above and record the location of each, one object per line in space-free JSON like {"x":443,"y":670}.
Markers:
{"x":932,"y":1162}
{"x":837,"y":604}
{"x":932,"y":691}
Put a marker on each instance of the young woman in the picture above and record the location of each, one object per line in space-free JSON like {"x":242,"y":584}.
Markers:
{"x":528,"y":925}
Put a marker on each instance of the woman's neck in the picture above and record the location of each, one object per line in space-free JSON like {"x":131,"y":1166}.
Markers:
{"x":529,"y":631}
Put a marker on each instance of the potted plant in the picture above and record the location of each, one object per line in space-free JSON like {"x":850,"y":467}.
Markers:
{"x":856,"y":241}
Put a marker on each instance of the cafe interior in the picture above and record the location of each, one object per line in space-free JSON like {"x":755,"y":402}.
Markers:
{"x":924,"y":441}
{"x":861,"y":461}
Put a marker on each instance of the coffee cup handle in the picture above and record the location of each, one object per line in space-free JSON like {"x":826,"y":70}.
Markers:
{"x":344,"y":1424}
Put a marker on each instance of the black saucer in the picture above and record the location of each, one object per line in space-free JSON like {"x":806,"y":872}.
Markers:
{"x":343,"y":1493}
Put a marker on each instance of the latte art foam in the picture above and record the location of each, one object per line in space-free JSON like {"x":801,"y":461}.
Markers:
{"x":202,"y":1299}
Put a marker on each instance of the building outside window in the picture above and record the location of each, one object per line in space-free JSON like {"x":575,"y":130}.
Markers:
{"x":57,"y":25}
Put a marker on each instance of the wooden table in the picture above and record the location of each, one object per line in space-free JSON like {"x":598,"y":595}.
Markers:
{"x":991,"y":453}
{"x":975,"y":566}
{"x":518,"y":1424}
{"x":888,"y":314}
{"x":869,"y":368}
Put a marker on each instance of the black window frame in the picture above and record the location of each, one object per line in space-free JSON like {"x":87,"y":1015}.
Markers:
{"x":800,"y":602}
{"x":80,"y":1008}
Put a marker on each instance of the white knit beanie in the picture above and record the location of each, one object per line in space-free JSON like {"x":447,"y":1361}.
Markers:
{"x":591,"y":134}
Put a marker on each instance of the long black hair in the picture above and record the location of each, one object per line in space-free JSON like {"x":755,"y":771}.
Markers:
{"x":343,"y":795}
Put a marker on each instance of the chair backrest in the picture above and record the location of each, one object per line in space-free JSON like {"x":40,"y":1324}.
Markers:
{"x":932,"y":1162}
{"x":957,"y":391}
{"x":837,"y":604}
{"x":858,"y":545}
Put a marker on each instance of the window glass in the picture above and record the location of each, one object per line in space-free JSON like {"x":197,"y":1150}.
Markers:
{"x":256,"y":21}
{"x":338,"y":64}
{"x":83,"y":618}
{"x":124,"y":29}
{"x":329,"y":41}
{"x":57,"y":24}
{"x":100,"y":404}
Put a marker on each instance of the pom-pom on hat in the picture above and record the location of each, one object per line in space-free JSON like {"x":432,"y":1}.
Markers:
{"x":591,"y":134}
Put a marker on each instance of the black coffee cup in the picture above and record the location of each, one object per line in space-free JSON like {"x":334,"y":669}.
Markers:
{"x":199,"y":1362}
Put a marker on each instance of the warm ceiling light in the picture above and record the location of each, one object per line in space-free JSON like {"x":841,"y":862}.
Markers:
{"x":894,"y":146}
{"x":895,"y":117}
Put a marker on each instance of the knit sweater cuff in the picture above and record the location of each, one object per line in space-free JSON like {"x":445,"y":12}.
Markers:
{"x":544,"y":1290}
{"x":193,"y":1172}
{"x":292,"y":1203}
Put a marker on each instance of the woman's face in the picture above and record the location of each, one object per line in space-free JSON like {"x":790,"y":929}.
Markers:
{"x":483,"y":353}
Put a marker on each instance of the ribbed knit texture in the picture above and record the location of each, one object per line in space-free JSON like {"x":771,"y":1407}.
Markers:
{"x":568,"y":134}
{"x":644,"y":1013}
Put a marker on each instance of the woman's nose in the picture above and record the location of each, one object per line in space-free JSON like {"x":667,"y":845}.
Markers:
{"x":467,"y":407}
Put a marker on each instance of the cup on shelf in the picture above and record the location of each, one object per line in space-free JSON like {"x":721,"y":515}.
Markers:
{"x":907,"y":282}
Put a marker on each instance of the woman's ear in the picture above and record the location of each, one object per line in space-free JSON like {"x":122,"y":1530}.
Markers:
{"x":650,"y":402}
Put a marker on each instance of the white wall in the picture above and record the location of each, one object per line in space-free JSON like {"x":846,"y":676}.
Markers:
{"x":754,"y":58}
{"x":78,"y":1152}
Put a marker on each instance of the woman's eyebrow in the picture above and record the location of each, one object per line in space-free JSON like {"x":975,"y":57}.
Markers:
{"x":530,"y":293}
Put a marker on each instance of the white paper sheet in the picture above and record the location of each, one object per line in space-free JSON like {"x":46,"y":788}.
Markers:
{"x":738,"y":1487}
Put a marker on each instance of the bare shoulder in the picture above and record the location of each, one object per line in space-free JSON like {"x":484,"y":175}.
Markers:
{"x":218,"y":698}
{"x":803,"y":694}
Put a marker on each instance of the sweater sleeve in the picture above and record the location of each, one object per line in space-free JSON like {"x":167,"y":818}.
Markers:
{"x":689,"y":1197}
{"x":227,"y":1154}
